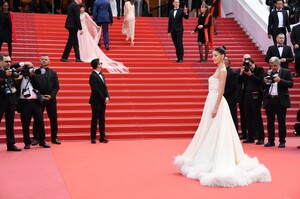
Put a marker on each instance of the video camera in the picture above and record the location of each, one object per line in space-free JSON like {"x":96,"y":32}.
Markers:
{"x":246,"y":64}
{"x":30,"y":70}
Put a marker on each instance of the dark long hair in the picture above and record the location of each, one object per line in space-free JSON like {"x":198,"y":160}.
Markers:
{"x":221,"y":50}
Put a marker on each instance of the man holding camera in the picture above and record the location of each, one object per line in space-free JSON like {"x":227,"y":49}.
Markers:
{"x":277,"y":100}
{"x":8,"y":100}
{"x":48,"y":86}
{"x":252,"y":77}
{"x":280,"y":50}
{"x":31,"y":106}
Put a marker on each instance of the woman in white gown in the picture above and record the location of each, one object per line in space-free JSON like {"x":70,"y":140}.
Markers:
{"x":215,"y":155}
{"x":88,"y":44}
{"x":129,"y":21}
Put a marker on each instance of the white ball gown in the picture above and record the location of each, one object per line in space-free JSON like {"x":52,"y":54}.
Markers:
{"x":89,"y":49}
{"x":128,"y":27}
{"x":215,"y":155}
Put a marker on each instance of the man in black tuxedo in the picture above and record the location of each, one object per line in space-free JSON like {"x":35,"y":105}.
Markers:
{"x":73,"y":24}
{"x":230,"y":92}
{"x":8,"y":100}
{"x":283,"y":52}
{"x":48,"y":86}
{"x":278,"y":22}
{"x":295,"y":39}
{"x":277,"y":100}
{"x":253,"y":76}
{"x":175,"y":28}
{"x":98,"y":100}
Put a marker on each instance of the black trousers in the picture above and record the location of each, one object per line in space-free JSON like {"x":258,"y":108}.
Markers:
{"x":274,"y":107}
{"x":9,"y":46}
{"x":72,"y":42}
{"x":51,"y":108}
{"x":243,"y":119}
{"x":177,"y":41}
{"x":279,"y":30}
{"x":253,"y":118}
{"x":233,"y":111}
{"x":98,"y":115}
{"x":9,"y":111}
{"x":297,"y":64}
{"x":120,"y":10}
{"x":31,"y":108}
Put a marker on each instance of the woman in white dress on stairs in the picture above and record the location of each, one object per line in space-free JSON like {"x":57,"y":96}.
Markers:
{"x":88,"y":44}
{"x":128,"y":27}
{"x":215,"y":155}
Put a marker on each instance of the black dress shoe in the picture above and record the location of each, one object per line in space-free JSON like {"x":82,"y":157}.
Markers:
{"x":281,"y":145}
{"x":248,"y":141}
{"x":44,"y":145}
{"x":104,"y":140}
{"x":243,"y":137}
{"x":79,"y":60}
{"x":34,"y":142}
{"x":13,"y":148}
{"x":55,"y":141}
{"x":298,"y":147}
{"x":200,"y":60}
{"x":64,"y":60}
{"x":93,"y":141}
{"x":269,"y":144}
{"x":119,"y":17}
{"x":260,"y":142}
{"x":107,"y":47}
{"x":180,"y":60}
{"x":27,"y":146}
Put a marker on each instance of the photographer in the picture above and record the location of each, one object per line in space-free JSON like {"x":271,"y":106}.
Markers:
{"x":31,"y":106}
{"x":8,"y":99}
{"x":277,"y":99}
{"x":48,"y":86}
{"x":252,"y":77}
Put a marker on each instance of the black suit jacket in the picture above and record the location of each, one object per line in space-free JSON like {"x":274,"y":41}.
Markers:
{"x":99,"y":90}
{"x":230,"y":92}
{"x":253,"y":83}
{"x":286,"y":53}
{"x":273,"y":22}
{"x":51,"y":87}
{"x":1,"y":27}
{"x":283,"y":93}
{"x":175,"y":24}
{"x":73,"y":17}
{"x":295,"y":39}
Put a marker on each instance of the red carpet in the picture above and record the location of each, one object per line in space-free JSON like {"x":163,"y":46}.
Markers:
{"x":135,"y":169}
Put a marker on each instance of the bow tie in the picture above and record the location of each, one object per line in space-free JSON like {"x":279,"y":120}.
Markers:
{"x":175,"y":9}
{"x":280,"y":46}
{"x":279,"y":10}
{"x":100,"y":73}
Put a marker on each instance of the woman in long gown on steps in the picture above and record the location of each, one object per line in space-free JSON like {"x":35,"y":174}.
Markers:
{"x":88,"y":44}
{"x":215,"y":155}
{"x":128,"y":27}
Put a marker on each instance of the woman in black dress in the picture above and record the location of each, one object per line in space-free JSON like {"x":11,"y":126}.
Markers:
{"x":6,"y":28}
{"x":203,"y":29}
{"x":196,"y":4}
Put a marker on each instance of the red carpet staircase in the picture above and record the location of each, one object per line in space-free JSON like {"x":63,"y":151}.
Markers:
{"x":157,"y":99}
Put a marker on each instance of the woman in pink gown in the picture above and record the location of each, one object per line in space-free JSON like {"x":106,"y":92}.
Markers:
{"x":88,"y":44}
{"x":128,"y":27}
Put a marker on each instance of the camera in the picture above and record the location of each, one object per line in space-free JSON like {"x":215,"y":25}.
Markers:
{"x":8,"y":88}
{"x":28,"y":70}
{"x":14,"y":73}
{"x":270,"y":76}
{"x":246,"y":64}
{"x":26,"y":92}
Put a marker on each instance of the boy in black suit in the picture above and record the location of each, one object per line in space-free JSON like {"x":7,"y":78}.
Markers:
{"x":175,"y":28}
{"x":283,"y":52}
{"x":98,"y":100}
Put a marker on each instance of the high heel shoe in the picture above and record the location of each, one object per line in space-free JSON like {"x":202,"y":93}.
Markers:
{"x":127,"y":38}
{"x":132,"y":43}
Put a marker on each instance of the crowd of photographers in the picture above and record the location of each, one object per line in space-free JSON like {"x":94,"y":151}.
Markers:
{"x":30,"y":91}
